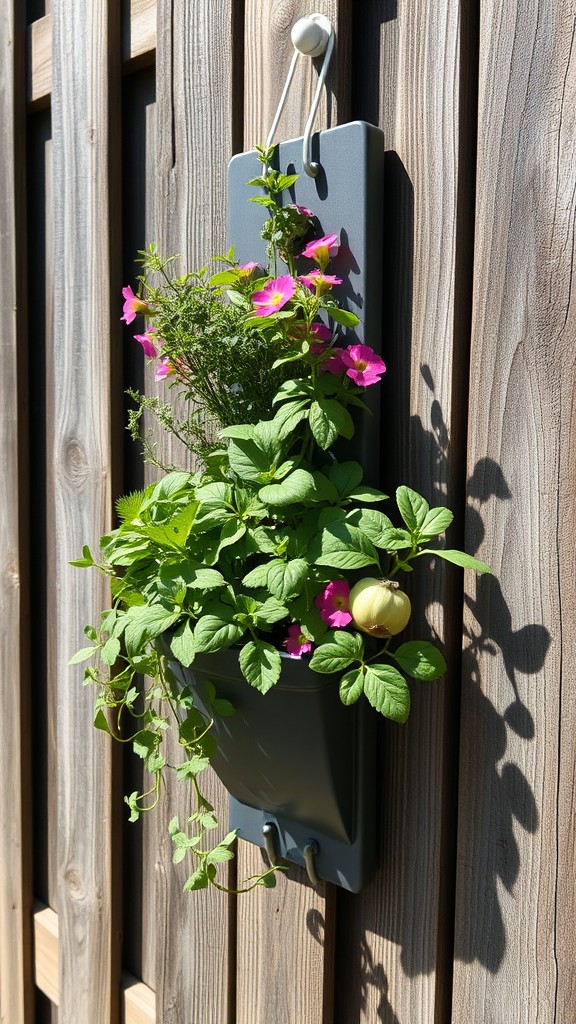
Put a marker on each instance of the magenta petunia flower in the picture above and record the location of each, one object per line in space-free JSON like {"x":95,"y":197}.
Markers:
{"x":321,"y":250}
{"x":332,"y":604}
{"x":274,"y":296}
{"x":133,"y":306}
{"x":334,"y":364}
{"x":319,"y":281}
{"x":363,"y":365}
{"x":148,"y":343}
{"x":165,"y":368}
{"x":303,"y":210}
{"x":323,"y":334}
{"x":296,"y":643}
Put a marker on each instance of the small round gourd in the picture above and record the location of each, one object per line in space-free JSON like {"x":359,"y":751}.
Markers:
{"x":379,"y":607}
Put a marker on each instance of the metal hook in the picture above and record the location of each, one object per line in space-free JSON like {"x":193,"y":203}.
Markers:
{"x":269,"y":833}
{"x":311,"y":36}
{"x":310,"y":851}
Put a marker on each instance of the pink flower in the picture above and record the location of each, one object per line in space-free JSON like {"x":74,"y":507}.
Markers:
{"x":245,"y":269}
{"x":334,"y":362}
{"x":324,"y":335}
{"x":332,"y":604}
{"x":321,"y":282}
{"x":274,"y":296}
{"x":321,"y":250}
{"x":148,"y":343}
{"x":296,"y":643}
{"x":363,"y":365}
{"x":302,"y":210}
{"x":133,"y":306}
{"x":165,"y":368}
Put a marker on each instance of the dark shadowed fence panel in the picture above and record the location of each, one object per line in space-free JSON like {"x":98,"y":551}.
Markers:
{"x":15,"y":852}
{"x":516,"y":867}
{"x":86,"y":61}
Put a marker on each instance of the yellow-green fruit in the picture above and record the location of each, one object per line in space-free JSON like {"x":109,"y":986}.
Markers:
{"x":379,"y":607}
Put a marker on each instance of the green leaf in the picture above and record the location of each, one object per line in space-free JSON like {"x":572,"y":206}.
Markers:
{"x":100,"y":722}
{"x":286,"y":579}
{"x":373,"y":523}
{"x":367,"y":494}
{"x":343,"y":316}
{"x":322,"y":426}
{"x":437,"y":521}
{"x":387,"y":691}
{"x":260,"y":664}
{"x":145,"y":744}
{"x":193,"y":767}
{"x":458,"y":558}
{"x":336,"y":652}
{"x":86,"y":561}
{"x":146,"y":623}
{"x":284,"y":181}
{"x":412,"y":507}
{"x":215,"y":634}
{"x":111,"y":650}
{"x":271,"y":611}
{"x":182,"y":645}
{"x":297,"y":486}
{"x":395,"y":539}
{"x":420,"y":659}
{"x":344,"y":547}
{"x":198,"y":880}
{"x":82,"y":655}
{"x":351,"y":686}
{"x":223,"y":708}
{"x":345,"y":476}
{"x":170,"y":486}
{"x":257,"y":577}
{"x":130,"y":505}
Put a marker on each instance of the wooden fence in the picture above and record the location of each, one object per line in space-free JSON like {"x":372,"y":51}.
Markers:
{"x":117,"y":122}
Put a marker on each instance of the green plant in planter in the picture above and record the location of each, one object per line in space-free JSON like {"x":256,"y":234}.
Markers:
{"x":274,"y":545}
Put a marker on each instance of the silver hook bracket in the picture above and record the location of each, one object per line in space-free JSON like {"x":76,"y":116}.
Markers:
{"x":311,"y":36}
{"x":310,"y":851}
{"x":270,"y":834}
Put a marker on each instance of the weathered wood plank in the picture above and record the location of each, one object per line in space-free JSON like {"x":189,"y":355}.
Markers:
{"x":516,"y":864}
{"x":285,"y":937}
{"x":268,"y":52}
{"x":138,"y":1001}
{"x":16,"y":984}
{"x":85,"y":76}
{"x":141,"y":39}
{"x":394,"y":956}
{"x":39,"y":60}
{"x":196,"y":117}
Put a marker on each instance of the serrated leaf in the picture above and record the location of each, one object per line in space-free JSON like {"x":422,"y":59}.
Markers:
{"x":130,"y":505}
{"x":351,"y":686}
{"x":437,"y":521}
{"x":260,"y":664}
{"x":387,"y":691}
{"x":271,"y":611}
{"x":215,"y":634}
{"x":373,"y":523}
{"x":458,"y":558}
{"x":146,"y":622}
{"x":182,"y":645}
{"x":420,"y":659}
{"x":395,"y":539}
{"x":198,"y":880}
{"x":286,"y":580}
{"x":336,"y":651}
{"x":344,"y":547}
{"x":412,"y":507}
{"x":192,"y":767}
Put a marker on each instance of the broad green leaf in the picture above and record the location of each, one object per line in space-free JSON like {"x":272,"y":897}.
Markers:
{"x":298,"y":486}
{"x":111,"y":650}
{"x":146,"y":623}
{"x":420,"y":659}
{"x":367,"y":494}
{"x":82,"y":655}
{"x":257,"y":577}
{"x":373,"y":523}
{"x":387,"y":691}
{"x":100,"y":722}
{"x":437,"y":521}
{"x":289,"y":415}
{"x":458,"y":558}
{"x":241,"y":430}
{"x":260,"y":664}
{"x":345,"y":476}
{"x":214,"y":634}
{"x":344,"y":547}
{"x":232,"y":531}
{"x":249,"y":461}
{"x":192,"y":767}
{"x":336,"y":652}
{"x":223,"y":708}
{"x":145,"y":745}
{"x":351,"y":686}
{"x":198,"y":880}
{"x":322,"y":426}
{"x":182,"y":645}
{"x":395,"y":539}
{"x":271,"y":611}
{"x":412,"y":507}
{"x":170,"y":486}
{"x":286,"y":579}
{"x":343,"y":316}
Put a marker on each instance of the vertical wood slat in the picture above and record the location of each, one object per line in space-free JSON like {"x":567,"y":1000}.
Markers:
{"x":516,"y":863}
{"x":15,"y":838}
{"x":196,"y":119}
{"x":394,"y":939}
{"x":85,"y":59}
{"x":286,"y":937}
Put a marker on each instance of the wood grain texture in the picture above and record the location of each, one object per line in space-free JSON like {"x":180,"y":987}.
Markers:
{"x":85,"y":71}
{"x":285,"y":938}
{"x":268,"y":52}
{"x":394,"y":953}
{"x":515,"y":943}
{"x":39,"y":60}
{"x":195,"y":123}
{"x":141,"y":37}
{"x":15,"y":796}
{"x":139,"y":1002}
{"x":46,"y":973}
